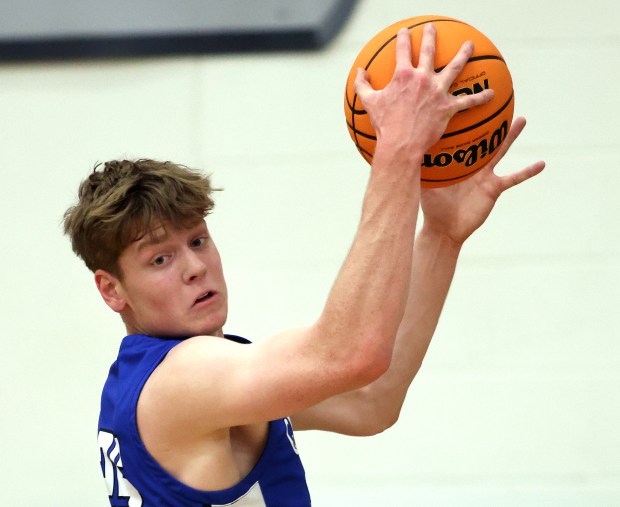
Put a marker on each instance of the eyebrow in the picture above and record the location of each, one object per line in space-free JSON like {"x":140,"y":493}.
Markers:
{"x":155,"y":239}
{"x":151,"y":240}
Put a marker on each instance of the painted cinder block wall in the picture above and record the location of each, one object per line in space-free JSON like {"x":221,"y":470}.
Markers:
{"x":517,"y":402}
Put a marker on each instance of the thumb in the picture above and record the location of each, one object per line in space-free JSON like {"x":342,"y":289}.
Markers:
{"x":362,"y":85}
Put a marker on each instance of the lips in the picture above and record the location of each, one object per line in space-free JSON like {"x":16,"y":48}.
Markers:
{"x":205,"y":297}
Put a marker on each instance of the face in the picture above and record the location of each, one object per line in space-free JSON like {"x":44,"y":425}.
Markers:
{"x":172,"y":284}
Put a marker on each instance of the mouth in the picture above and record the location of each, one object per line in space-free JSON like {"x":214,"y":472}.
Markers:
{"x":205,"y":297}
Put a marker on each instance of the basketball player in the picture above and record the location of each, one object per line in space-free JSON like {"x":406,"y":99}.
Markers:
{"x":191,"y":416}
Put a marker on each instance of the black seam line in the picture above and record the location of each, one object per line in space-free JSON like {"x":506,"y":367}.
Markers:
{"x":360,"y":133}
{"x":438,"y":69}
{"x":456,"y":178}
{"x":477,"y":59}
{"x":408,"y":28}
{"x":355,"y":132}
{"x":449,"y":134}
{"x":355,"y":111}
{"x":486,"y":120}
{"x":362,"y":151}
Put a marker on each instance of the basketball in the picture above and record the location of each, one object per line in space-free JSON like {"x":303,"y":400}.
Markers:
{"x":473,"y":135}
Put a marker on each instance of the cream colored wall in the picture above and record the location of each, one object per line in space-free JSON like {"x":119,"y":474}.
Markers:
{"x":518,"y":401}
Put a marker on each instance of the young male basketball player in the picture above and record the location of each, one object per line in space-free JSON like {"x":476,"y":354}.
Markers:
{"x":193,"y":417}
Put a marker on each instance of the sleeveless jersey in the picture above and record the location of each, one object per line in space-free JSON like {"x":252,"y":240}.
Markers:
{"x":135,"y":479}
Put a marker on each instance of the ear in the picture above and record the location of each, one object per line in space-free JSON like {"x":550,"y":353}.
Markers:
{"x":110,"y":289}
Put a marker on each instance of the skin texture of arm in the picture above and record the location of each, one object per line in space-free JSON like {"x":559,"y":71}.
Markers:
{"x":203,"y":411}
{"x":451,"y":215}
{"x":351,"y":343}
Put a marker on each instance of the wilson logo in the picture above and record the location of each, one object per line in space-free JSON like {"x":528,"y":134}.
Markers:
{"x":475,"y":88}
{"x":470,"y":155}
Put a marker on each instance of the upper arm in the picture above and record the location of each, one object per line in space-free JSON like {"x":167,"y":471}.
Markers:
{"x":352,"y":413}
{"x":209,"y":383}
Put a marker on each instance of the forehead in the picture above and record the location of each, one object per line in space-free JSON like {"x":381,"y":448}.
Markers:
{"x":160,"y":231}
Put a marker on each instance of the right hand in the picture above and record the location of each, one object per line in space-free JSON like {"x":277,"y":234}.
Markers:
{"x":456,"y":211}
{"x":414,"y":109}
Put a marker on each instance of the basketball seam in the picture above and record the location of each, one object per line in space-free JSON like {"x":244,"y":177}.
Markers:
{"x":438,"y":69}
{"x":352,"y":106}
{"x":446,"y":135}
{"x":460,"y":176}
{"x":487,"y":119}
{"x":477,"y":59}
{"x":358,"y":134}
{"x":408,"y":28}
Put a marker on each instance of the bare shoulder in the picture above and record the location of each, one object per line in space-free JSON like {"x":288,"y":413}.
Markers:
{"x":183,"y":384}
{"x":206,"y":383}
{"x":170,"y":406}
{"x":179,"y":418}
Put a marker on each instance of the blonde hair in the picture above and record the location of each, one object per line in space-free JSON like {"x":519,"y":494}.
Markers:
{"x":123,"y":200}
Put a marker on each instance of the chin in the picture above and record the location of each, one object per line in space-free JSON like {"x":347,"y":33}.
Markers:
{"x":214,"y":327}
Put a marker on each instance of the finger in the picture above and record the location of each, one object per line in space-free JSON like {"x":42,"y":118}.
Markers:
{"x":465,"y":101}
{"x":516,"y":178}
{"x":427,"y":48}
{"x":519,"y":177}
{"x":362,"y":86}
{"x":450,"y":72}
{"x":403,"y":48}
{"x":515,"y":130}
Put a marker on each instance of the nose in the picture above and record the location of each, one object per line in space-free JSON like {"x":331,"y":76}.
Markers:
{"x":194,"y":266}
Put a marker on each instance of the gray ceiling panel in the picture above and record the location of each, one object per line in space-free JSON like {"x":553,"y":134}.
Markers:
{"x":57,"y":29}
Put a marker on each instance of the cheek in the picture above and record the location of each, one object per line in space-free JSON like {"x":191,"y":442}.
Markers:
{"x":155,"y":295}
{"x":220,"y":276}
{"x":215,"y":266}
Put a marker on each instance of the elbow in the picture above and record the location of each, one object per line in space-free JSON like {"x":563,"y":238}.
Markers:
{"x":384,"y":418}
{"x":376,"y":428}
{"x":369,"y":365}
{"x":386,"y":422}
{"x":376,"y":422}
{"x":355,"y":360}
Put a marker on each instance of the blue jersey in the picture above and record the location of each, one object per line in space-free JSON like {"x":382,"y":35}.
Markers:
{"x":135,"y":479}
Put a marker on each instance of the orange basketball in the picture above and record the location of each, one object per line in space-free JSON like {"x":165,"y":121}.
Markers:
{"x":473,"y":135}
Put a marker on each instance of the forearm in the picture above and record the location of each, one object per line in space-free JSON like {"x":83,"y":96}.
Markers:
{"x":368,"y":298}
{"x":367,"y":303}
{"x":376,"y":406}
{"x":434,"y":262}
{"x":455,"y":213}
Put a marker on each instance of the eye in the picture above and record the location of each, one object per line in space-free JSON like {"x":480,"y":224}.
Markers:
{"x":199,"y":242}
{"x":160,"y":260}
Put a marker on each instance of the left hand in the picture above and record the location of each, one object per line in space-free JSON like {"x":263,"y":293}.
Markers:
{"x":413,"y":110}
{"x":458,"y":210}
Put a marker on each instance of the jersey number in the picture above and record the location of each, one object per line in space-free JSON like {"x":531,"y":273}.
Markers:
{"x":121,"y":491}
